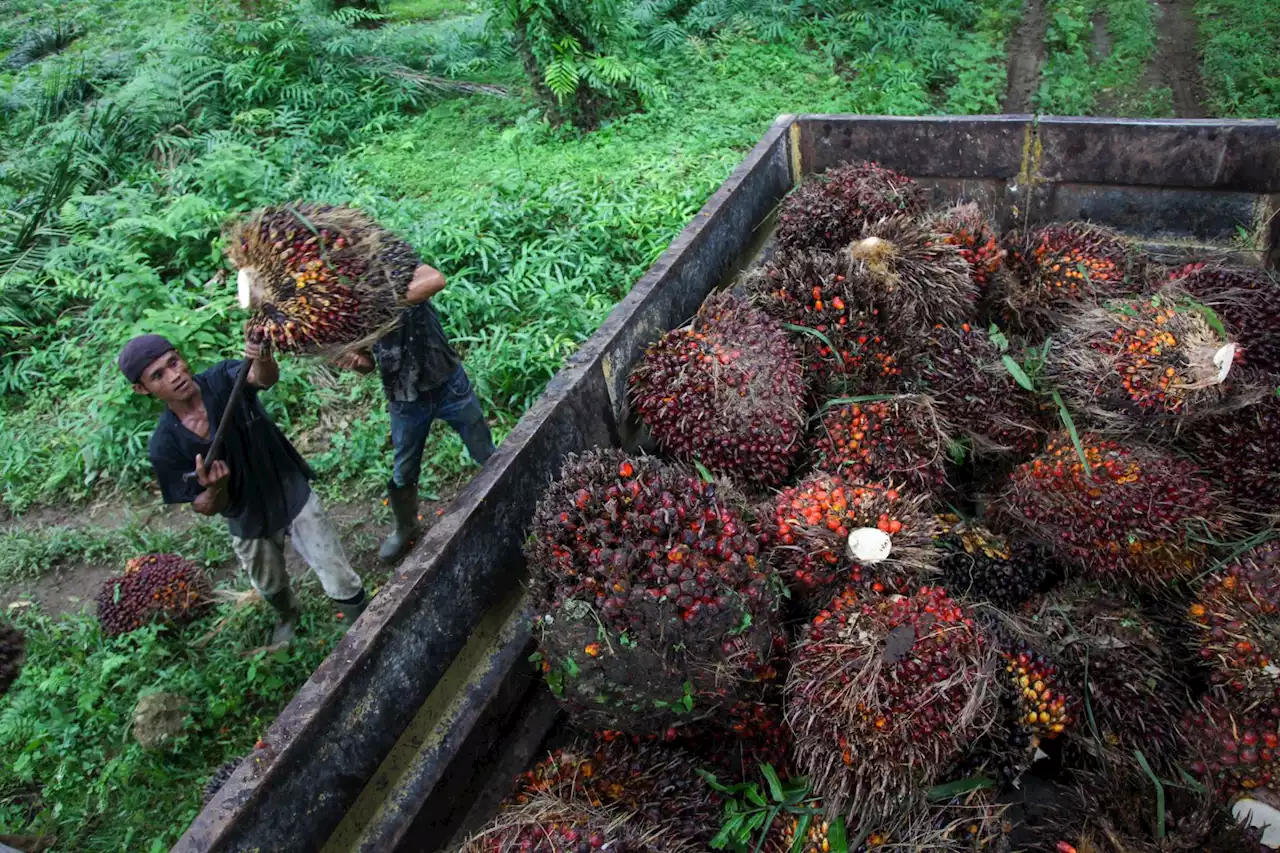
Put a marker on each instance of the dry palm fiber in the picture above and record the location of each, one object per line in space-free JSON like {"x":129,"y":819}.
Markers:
{"x":900,"y":438}
{"x":1246,"y":299}
{"x":829,"y":210}
{"x":1233,"y":747}
{"x":547,"y":824}
{"x":12,"y":653}
{"x":322,"y":279}
{"x":652,"y":606}
{"x":968,"y":229}
{"x":1241,"y":449}
{"x":726,"y":390}
{"x":884,"y":692}
{"x":1146,"y":361}
{"x":830,"y":306}
{"x":169,"y":589}
{"x":659,"y":786}
{"x":829,"y":531}
{"x":1122,"y":668}
{"x":962,"y":370}
{"x":1063,"y":265}
{"x":1236,"y":617}
{"x":982,"y":565}
{"x":1133,"y":514}
{"x":919,"y":278}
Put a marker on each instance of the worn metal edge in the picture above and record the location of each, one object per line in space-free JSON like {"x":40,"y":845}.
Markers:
{"x":287,"y":738}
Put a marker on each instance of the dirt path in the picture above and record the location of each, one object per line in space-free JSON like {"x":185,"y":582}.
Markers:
{"x":1106,"y":102}
{"x":1026,"y":55}
{"x":1177,"y":60}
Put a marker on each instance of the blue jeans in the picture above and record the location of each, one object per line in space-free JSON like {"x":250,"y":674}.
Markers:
{"x":455,"y":403}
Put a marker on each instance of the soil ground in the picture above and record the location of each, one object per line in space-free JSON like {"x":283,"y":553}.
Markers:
{"x":1026,"y":55}
{"x":1177,"y":60}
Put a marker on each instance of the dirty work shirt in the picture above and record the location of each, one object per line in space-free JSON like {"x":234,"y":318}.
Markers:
{"x":415,"y":358}
{"x":268,"y":478}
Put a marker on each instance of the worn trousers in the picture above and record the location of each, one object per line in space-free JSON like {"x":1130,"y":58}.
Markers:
{"x":455,"y":403}
{"x":315,"y":540}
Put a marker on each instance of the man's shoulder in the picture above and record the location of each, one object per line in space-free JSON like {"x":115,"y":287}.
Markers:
{"x":164,"y":438}
{"x":221,"y":372}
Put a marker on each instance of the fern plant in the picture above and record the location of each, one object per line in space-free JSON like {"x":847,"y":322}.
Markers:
{"x":571,"y":52}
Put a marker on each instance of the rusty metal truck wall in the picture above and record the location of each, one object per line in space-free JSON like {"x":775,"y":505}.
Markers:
{"x":331,"y":738}
{"x":1193,"y":182}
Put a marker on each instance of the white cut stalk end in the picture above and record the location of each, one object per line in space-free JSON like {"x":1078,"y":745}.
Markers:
{"x":869,"y":545}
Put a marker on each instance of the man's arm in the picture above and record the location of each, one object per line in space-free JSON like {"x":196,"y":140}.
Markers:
{"x":215,"y":479}
{"x":264,"y":372}
{"x":427,"y":282}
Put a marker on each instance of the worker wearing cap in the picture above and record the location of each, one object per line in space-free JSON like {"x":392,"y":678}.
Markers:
{"x":259,"y":483}
{"x":424,"y":380}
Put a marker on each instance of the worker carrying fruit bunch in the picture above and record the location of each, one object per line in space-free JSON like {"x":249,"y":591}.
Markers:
{"x":257,"y":481}
{"x":423,"y":379}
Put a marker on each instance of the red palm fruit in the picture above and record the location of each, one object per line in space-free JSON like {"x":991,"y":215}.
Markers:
{"x":1130,"y":515}
{"x":813,"y":522}
{"x":164,"y":588}
{"x":919,"y":277}
{"x":1234,"y":747}
{"x":12,"y":653}
{"x":1044,"y":706}
{"x":981,"y":565}
{"x":968,"y":229}
{"x":1237,"y":620}
{"x":831,"y":307}
{"x":1141,"y":362}
{"x":962,"y":370}
{"x":726,"y":390}
{"x":1241,"y":450}
{"x":1109,"y":654}
{"x":651,"y":604}
{"x":1062,"y":265}
{"x":901,"y":438}
{"x":320,"y":278}
{"x":883,"y":693}
{"x":829,"y":210}
{"x":1247,"y":299}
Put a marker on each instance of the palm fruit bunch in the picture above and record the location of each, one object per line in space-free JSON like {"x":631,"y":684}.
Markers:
{"x":900,"y":438}
{"x":828,"y":211}
{"x":547,"y":824}
{"x":1129,"y":515}
{"x":12,"y":653}
{"x":1065,"y":264}
{"x":727,"y":390}
{"x":1043,"y":706}
{"x":1142,"y":361}
{"x":1234,"y":747}
{"x":918,"y":276}
{"x":1248,"y":303}
{"x":169,"y":590}
{"x":961,"y":369}
{"x":652,"y":604}
{"x":965,"y":227}
{"x":217,"y":780}
{"x":656,"y":785}
{"x":742,"y":737}
{"x":1237,"y":622}
{"x":829,"y":531}
{"x":843,"y":337}
{"x":979,"y":564}
{"x":1110,"y":653}
{"x":884,"y":692}
{"x":320,"y":278}
{"x":1241,"y":450}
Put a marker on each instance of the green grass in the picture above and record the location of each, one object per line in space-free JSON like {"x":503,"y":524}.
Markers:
{"x":1240,"y":41}
{"x":1077,"y":80}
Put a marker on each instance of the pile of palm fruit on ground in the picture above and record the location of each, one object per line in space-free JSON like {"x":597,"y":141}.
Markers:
{"x":948,"y":540}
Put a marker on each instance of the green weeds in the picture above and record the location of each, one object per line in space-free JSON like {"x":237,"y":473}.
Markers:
{"x":1240,"y":42}
{"x":1087,"y":72}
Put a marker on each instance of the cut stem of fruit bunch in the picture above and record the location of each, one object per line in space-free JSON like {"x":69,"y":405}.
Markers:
{"x":321,"y":279}
{"x":727,"y":390}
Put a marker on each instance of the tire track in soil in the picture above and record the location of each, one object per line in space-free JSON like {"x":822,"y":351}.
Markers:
{"x":1177,"y":60}
{"x":1026,"y":56}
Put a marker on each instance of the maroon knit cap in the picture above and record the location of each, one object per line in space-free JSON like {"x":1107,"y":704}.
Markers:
{"x":140,"y":352}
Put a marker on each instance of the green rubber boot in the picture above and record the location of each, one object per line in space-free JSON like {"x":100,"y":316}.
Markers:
{"x":404,"y":505}
{"x":286,"y":605}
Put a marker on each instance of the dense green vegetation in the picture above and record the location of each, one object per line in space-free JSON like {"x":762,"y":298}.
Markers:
{"x":130,"y":130}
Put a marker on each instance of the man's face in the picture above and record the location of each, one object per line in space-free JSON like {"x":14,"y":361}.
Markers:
{"x":168,"y":378}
